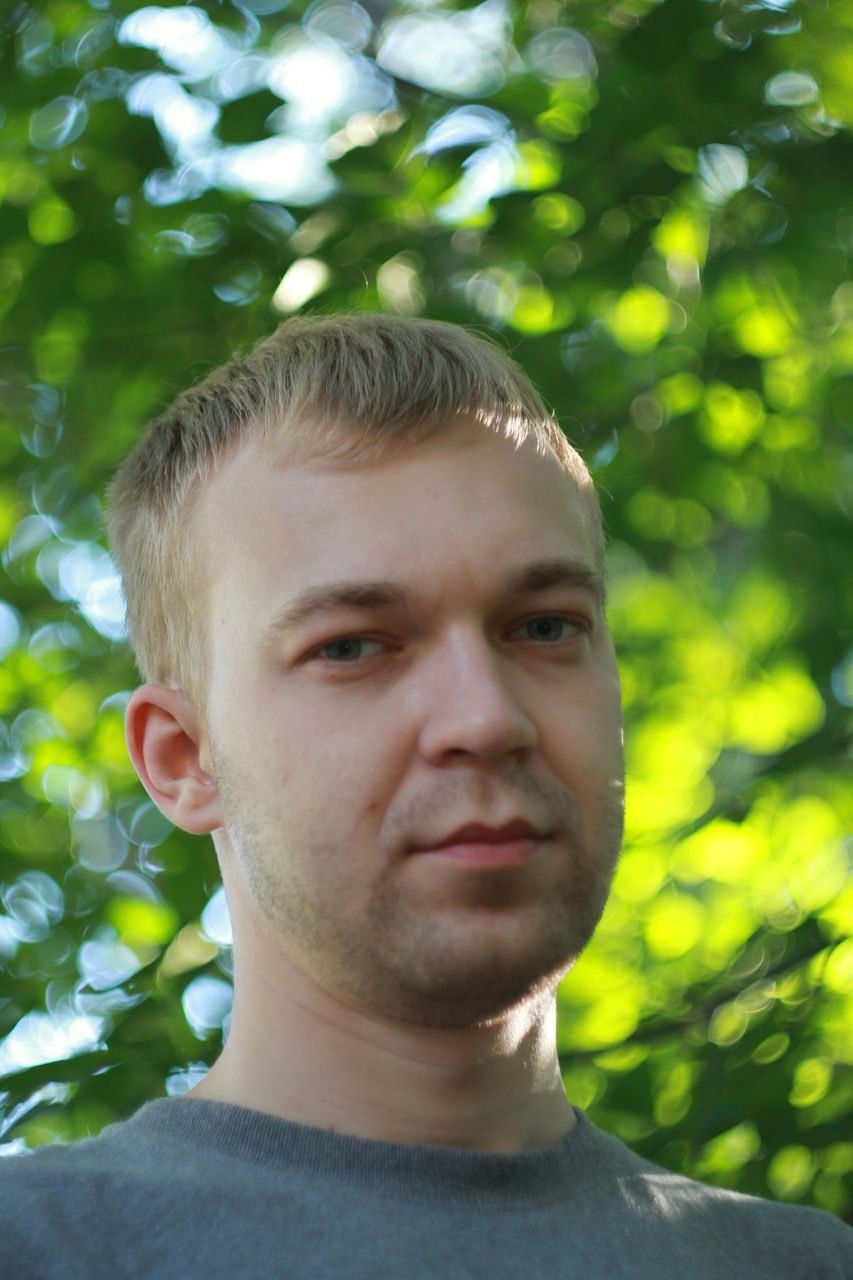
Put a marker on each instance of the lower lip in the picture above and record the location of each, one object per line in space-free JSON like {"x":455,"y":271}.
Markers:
{"x":506,"y":853}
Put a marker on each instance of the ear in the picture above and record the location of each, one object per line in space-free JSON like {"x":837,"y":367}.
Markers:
{"x":164,"y":738}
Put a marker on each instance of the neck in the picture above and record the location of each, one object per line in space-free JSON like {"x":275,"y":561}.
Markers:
{"x":301,"y":1053}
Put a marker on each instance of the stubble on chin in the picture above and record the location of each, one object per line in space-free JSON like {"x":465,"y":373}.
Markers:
{"x":375,"y":946}
{"x":475,"y":965}
{"x":461,"y":968}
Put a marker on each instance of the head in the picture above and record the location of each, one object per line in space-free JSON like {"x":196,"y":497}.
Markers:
{"x":392,"y":617}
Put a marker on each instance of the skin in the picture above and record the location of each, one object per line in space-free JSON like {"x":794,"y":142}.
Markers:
{"x":381,"y":991}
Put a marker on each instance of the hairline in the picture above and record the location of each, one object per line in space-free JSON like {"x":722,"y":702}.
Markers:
{"x":352,"y":388}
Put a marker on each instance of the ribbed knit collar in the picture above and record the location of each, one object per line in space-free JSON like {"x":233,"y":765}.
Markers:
{"x":542,"y":1175}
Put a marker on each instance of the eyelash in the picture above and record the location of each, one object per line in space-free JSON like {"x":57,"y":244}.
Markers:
{"x":582,"y":626}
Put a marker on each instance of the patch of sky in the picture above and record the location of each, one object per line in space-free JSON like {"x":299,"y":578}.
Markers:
{"x":35,"y":40}
{"x":493,"y":293}
{"x":98,"y":842}
{"x":467,"y":53}
{"x":40,"y":439}
{"x":491,"y":171}
{"x":324,"y":83}
{"x":146,"y":825}
{"x":38,"y":1038}
{"x":45,"y":402}
{"x":560,"y":54}
{"x":185,"y":121}
{"x":14,"y":759}
{"x":200,"y":235}
{"x":52,"y":489}
{"x":242,"y":285}
{"x":32,"y":726}
{"x":17,"y":742}
{"x":53,"y":1093}
{"x":102,"y":84}
{"x":90,"y":47}
{"x":842,"y":681}
{"x":348,"y":23}
{"x":465,"y":126}
{"x":302,"y":280}
{"x":56,"y":646}
{"x":130,"y":884}
{"x":169,"y":186}
{"x":106,"y":963}
{"x":14,"y":1148}
{"x":9,"y":940}
{"x":791,"y":89}
{"x":182,"y":1079}
{"x":10,"y":628}
{"x":58,"y":123}
{"x":245,"y":74}
{"x":70,"y":789}
{"x":320,"y":84}
{"x":28,"y":534}
{"x":264,"y":7}
{"x":287,"y":169}
{"x":723,"y":171}
{"x":183,"y":36}
{"x":34,"y":903}
{"x":207,"y":1005}
{"x":606,"y":452}
{"x":86,"y":574}
{"x":315,"y":75}
{"x":316,"y":70}
{"x":216,"y":920}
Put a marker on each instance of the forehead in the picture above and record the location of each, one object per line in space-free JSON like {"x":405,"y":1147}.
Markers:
{"x":442,"y":514}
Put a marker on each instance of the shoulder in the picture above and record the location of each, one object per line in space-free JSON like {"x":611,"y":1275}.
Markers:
{"x":47,"y":1195}
{"x":126,"y":1155}
{"x":60,"y":1180}
{"x":125,"y":1159}
{"x":789,"y":1240}
{"x":67,"y":1205}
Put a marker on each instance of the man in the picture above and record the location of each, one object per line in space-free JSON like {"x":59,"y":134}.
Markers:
{"x":364,"y":576}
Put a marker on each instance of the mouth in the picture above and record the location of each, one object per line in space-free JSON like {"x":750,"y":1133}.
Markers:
{"x":514,"y":844}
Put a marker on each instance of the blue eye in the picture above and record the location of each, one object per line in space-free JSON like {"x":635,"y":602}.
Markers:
{"x":552,"y":628}
{"x":347,"y":649}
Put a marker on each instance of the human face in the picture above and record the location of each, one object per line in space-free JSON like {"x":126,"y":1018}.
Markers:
{"x":348,"y":735}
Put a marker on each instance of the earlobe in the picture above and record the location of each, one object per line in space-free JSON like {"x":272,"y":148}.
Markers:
{"x":164,"y":736}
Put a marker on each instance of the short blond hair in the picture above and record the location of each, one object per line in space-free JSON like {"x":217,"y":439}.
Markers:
{"x":343,"y":386}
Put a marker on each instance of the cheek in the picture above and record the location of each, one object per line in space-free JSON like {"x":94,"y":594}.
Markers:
{"x":586,"y":736}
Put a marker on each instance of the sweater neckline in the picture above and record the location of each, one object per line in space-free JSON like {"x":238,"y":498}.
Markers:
{"x":538,"y":1175}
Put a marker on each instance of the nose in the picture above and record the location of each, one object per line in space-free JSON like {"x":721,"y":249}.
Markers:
{"x":472,"y":705}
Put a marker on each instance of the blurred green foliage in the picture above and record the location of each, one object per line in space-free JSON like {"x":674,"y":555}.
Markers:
{"x":650,"y":204}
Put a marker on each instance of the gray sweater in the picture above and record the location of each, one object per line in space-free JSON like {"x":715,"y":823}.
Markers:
{"x":188,"y":1188}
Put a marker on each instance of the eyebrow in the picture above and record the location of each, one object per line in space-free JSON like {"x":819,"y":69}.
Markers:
{"x":384,"y":593}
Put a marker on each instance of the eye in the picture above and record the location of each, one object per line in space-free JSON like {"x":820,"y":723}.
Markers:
{"x":348,"y":649}
{"x":553,"y":628}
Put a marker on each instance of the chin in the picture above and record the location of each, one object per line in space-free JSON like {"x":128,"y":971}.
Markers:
{"x":467,"y":991}
{"x":491,"y":1010}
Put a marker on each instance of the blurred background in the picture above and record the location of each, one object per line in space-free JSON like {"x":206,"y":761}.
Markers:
{"x":649,"y":204}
